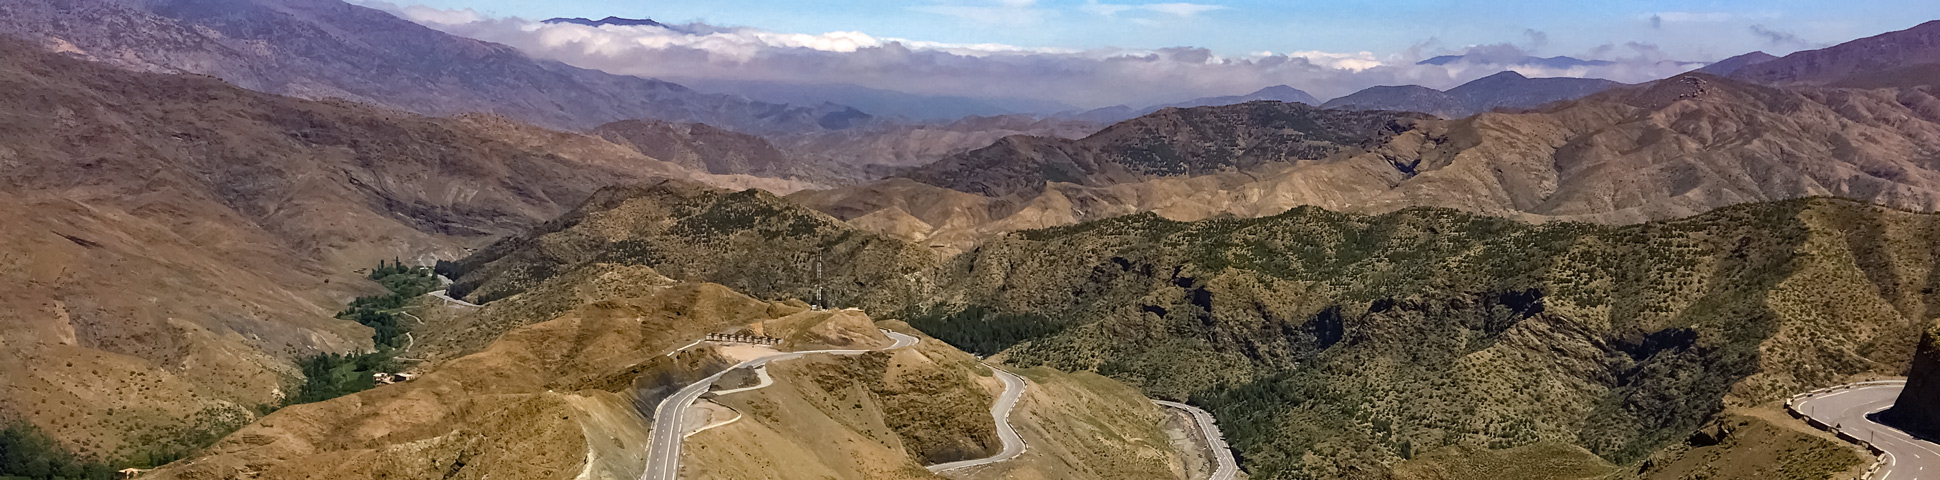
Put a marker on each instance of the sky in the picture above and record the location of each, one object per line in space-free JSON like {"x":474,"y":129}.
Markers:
{"x":1091,"y":53}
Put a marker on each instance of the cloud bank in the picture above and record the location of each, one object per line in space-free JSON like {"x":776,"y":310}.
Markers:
{"x":699,"y":52}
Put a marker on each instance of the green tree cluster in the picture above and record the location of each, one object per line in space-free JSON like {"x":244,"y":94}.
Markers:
{"x":329,"y":375}
{"x":26,"y":453}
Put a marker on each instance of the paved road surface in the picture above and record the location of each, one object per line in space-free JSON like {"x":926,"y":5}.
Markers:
{"x":1222,"y":455}
{"x":1907,"y":458}
{"x":663,"y":450}
{"x":1000,"y":410}
{"x":441,"y":294}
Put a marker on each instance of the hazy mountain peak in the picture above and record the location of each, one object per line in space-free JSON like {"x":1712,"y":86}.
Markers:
{"x":1278,"y":91}
{"x":1506,"y":89}
{"x":1505,"y":74}
{"x":610,"y":20}
{"x":1551,"y":62}
{"x":1908,"y":57}
{"x":1732,"y":65}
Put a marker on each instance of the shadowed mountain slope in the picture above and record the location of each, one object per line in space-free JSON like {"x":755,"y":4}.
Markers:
{"x":331,"y":49}
{"x":1673,"y":148}
{"x":1172,"y":142}
{"x":1508,"y":90}
{"x":174,"y":241}
{"x":1330,"y":345}
{"x":1895,"y":59}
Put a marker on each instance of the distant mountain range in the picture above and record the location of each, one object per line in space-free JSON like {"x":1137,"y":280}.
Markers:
{"x":1734,"y":64}
{"x":1551,"y":62}
{"x":885,"y":103}
{"x":1502,"y":90}
{"x":1277,"y":93}
{"x":615,"y":21}
{"x":1904,"y":58}
{"x":331,"y":49}
{"x":1170,"y":142}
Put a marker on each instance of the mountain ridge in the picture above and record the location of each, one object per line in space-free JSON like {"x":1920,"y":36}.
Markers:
{"x":331,"y":49}
{"x":1506,"y":89}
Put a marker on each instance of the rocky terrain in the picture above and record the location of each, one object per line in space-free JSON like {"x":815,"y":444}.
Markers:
{"x":1614,"y":342}
{"x":550,"y":383}
{"x":884,"y":148}
{"x":1726,"y":67}
{"x":1332,"y":345}
{"x":1562,"y":278}
{"x":175,"y":241}
{"x":1506,"y":90}
{"x":559,"y":395}
{"x":330,"y":49}
{"x":702,"y":147}
{"x":750,"y":240}
{"x":1173,"y":142}
{"x":1673,"y":148}
{"x":1916,"y":410}
{"x":1905,"y":58}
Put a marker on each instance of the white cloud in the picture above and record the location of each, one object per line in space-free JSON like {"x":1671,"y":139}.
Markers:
{"x":1088,"y":78}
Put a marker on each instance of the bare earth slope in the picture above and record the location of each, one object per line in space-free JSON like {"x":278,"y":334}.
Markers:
{"x":173,"y":240}
{"x":1903,"y":58}
{"x":1334,"y":345}
{"x":749,"y":240}
{"x":328,"y":48}
{"x":556,"y":398}
{"x":1674,"y":148}
{"x":1506,"y":90}
{"x":1172,"y":142}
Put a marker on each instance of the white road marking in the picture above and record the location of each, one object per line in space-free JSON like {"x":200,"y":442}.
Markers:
{"x":663,"y":453}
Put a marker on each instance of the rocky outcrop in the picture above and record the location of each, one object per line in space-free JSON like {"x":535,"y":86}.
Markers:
{"x":1918,"y":408}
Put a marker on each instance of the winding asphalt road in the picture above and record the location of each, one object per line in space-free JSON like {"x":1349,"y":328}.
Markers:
{"x":1222,"y":454}
{"x":1846,"y":409}
{"x":1000,"y":410}
{"x":441,"y":294}
{"x":663,"y":450}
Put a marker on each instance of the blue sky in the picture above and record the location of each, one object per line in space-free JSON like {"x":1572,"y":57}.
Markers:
{"x":1691,"y":30}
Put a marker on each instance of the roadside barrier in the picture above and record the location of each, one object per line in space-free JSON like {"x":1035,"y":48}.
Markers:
{"x":1792,"y":408}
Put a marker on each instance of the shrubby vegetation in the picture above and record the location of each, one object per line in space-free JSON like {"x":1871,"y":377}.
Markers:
{"x":330,"y":375}
{"x":26,"y":453}
{"x":978,"y":330}
{"x":1332,"y":345}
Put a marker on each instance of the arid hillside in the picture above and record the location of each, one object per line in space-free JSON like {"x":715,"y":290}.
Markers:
{"x":1170,"y":143}
{"x":555,"y":397}
{"x":174,"y":240}
{"x":890,"y":145}
{"x":749,"y":240}
{"x":1677,"y":147}
{"x":1336,"y":345}
{"x":1905,"y":58}
{"x":331,"y":49}
{"x":1506,"y":90}
{"x":552,"y":383}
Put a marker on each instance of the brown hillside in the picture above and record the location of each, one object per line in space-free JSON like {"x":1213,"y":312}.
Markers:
{"x":1673,"y":148}
{"x":1880,"y":60}
{"x":331,"y":49}
{"x":185,"y":238}
{"x":539,"y":402}
{"x":1172,"y":142}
